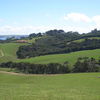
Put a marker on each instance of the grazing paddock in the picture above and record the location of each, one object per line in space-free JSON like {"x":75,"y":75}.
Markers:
{"x":8,"y":51}
{"x":61,"y":58}
{"x":84,"y":86}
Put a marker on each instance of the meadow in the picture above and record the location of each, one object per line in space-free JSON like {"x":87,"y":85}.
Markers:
{"x":76,"y":86}
{"x":81,"y":86}
{"x":9,"y":51}
{"x":61,"y":58}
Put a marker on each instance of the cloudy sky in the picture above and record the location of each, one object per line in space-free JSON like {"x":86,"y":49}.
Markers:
{"x":29,"y":16}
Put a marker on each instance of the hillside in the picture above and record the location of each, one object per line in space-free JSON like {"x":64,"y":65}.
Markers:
{"x":8,"y":51}
{"x":52,"y":46}
{"x":59,"y":42}
{"x":61,"y":58}
{"x":84,"y":86}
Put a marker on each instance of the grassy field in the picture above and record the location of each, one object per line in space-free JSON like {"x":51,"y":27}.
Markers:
{"x":81,"y":40}
{"x":60,"y":58}
{"x":9,"y":51}
{"x":85,"y":86}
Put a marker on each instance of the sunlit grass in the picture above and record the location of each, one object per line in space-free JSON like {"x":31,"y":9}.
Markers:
{"x":58,"y":87}
{"x":9,"y":51}
{"x":60,"y":58}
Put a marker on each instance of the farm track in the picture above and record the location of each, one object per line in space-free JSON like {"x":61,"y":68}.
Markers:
{"x":2,"y":54}
{"x":22,"y":74}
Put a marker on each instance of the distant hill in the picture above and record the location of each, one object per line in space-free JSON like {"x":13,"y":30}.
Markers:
{"x":4,"y":37}
{"x":54,"y":45}
{"x":58,"y":42}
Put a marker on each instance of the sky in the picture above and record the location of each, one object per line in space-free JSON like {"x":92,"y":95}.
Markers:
{"x":22,"y":17}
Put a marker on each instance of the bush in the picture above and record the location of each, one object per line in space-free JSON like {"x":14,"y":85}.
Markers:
{"x":86,"y":65}
{"x":52,"y":68}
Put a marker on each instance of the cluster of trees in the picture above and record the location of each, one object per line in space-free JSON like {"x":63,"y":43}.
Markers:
{"x":33,"y":35}
{"x":55,"y":46}
{"x":84,"y":64}
{"x":58,"y":41}
{"x":52,"y":68}
{"x":93,"y":33}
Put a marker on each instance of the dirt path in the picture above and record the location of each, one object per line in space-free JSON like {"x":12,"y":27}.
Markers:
{"x":21,"y":74}
{"x":2,"y":54}
{"x":10,"y":73}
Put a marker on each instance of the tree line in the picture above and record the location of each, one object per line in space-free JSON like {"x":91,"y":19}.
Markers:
{"x":84,"y":64}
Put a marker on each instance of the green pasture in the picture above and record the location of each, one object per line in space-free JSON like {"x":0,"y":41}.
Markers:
{"x":9,"y":51}
{"x":60,"y":58}
{"x":84,"y":86}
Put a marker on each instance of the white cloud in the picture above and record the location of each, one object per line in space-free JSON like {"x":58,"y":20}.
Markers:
{"x":77,"y":17}
{"x":11,"y":30}
{"x":79,"y":29}
{"x":96,"y":20}
{"x":72,"y":18}
{"x":89,"y":22}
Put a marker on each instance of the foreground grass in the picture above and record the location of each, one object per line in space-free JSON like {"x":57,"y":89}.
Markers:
{"x":58,"y":87}
{"x":60,"y":58}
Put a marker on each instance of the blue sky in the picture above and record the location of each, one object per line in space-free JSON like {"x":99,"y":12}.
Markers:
{"x":29,"y":16}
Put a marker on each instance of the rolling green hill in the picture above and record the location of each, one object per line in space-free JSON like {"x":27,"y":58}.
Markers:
{"x":58,"y":42}
{"x":8,"y":51}
{"x":60,"y":58}
{"x":84,"y":86}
